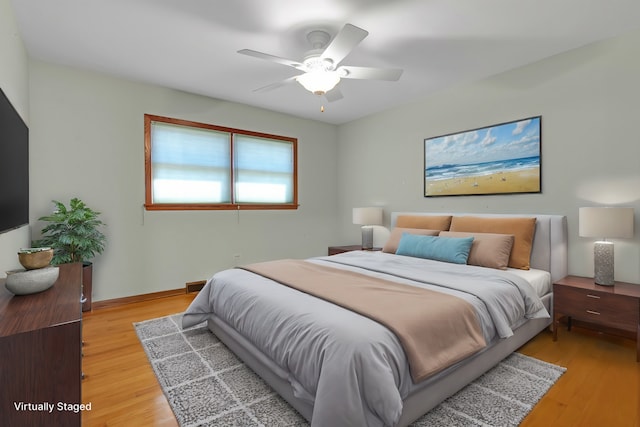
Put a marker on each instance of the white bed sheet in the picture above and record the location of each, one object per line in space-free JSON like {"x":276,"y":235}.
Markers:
{"x":540,"y":280}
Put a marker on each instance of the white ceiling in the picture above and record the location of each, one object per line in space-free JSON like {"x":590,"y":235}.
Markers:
{"x":191,"y":45}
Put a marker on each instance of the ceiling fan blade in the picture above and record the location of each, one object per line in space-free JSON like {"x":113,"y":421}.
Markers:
{"x":343,"y":43}
{"x":272,"y":58}
{"x":369,"y":73}
{"x":275,"y":85}
{"x":333,"y":95}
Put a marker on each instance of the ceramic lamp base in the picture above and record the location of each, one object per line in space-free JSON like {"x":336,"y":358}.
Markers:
{"x":603,"y":263}
{"x":367,"y":237}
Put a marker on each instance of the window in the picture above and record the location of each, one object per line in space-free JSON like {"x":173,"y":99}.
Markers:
{"x":191,"y":165}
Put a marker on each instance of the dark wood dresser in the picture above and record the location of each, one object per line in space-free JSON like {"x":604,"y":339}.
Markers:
{"x":40,"y":353}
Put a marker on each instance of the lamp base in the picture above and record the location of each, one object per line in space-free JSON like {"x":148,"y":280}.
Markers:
{"x":367,"y":237}
{"x":603,"y":263}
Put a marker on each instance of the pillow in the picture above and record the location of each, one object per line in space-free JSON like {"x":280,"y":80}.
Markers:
{"x":488,"y":249}
{"x":394,"y":238}
{"x":447,"y":249}
{"x":521,"y":228}
{"x":431,"y":222}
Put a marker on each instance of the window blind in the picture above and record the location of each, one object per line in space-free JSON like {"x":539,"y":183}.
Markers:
{"x":190,"y":165}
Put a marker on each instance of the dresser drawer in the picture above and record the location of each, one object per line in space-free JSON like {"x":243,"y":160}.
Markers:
{"x":616,"y":311}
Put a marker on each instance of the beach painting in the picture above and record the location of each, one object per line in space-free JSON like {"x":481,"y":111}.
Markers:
{"x":498,"y":159}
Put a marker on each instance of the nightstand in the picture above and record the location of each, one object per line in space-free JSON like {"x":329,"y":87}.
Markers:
{"x":611,"y":309}
{"x":334,"y":250}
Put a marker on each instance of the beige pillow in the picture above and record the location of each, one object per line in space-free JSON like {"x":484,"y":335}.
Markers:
{"x":521,"y":228}
{"x":394,"y":238}
{"x":430,"y":222}
{"x":488,"y":249}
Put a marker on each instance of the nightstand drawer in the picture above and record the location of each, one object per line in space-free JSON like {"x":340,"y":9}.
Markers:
{"x":598,"y":307}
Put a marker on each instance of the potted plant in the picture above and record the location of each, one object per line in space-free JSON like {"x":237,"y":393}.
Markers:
{"x":74,"y":235}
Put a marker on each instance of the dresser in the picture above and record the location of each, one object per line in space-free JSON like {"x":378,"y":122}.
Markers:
{"x":611,"y":309}
{"x":40,"y":353}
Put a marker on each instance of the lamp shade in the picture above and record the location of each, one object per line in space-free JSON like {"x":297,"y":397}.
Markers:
{"x":318,"y":81}
{"x":606,"y":222}
{"x":367,"y":216}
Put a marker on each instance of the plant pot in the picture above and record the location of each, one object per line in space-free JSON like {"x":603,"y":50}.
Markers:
{"x":87,"y":285}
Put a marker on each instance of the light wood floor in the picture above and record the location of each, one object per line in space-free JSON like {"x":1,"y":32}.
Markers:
{"x":601,"y":387}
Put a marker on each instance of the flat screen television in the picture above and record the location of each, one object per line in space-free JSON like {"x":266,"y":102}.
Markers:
{"x":14,"y":167}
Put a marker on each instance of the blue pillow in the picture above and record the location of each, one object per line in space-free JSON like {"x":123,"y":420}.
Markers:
{"x":447,"y":249}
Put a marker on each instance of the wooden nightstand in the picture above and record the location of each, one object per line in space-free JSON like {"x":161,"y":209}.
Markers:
{"x":611,"y":309}
{"x":334,"y":250}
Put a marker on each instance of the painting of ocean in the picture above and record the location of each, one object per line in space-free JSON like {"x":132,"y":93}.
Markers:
{"x":497,"y":159}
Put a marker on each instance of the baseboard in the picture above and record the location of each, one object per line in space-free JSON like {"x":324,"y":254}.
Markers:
{"x":97,"y":305}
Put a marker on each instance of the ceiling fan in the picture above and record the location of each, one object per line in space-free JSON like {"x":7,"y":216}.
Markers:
{"x":321,"y":65}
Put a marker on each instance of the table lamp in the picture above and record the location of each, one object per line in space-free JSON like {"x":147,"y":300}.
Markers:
{"x":605,"y":223}
{"x":367,"y":217}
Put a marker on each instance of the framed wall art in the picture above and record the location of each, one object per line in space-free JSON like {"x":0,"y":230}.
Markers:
{"x":497,"y":159}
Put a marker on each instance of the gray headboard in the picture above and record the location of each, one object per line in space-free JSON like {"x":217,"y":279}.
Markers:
{"x":550,"y":246}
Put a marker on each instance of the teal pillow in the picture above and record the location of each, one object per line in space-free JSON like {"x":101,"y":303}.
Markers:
{"x":447,"y":249}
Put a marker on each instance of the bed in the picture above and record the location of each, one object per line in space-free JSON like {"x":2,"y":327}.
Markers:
{"x":339,"y":367}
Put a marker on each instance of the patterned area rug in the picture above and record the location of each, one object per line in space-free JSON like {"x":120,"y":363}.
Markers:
{"x":207,"y":385}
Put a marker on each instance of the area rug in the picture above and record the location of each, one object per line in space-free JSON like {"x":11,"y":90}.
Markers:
{"x":207,"y":385}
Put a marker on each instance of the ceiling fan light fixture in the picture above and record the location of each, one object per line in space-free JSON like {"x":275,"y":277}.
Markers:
{"x":319,"y":82}
{"x":321,"y":64}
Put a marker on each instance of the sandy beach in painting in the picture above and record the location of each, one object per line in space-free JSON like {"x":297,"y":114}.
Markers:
{"x":519,"y":181}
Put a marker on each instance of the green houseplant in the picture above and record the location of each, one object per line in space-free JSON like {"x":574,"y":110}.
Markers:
{"x":72,"y":232}
{"x":74,"y":235}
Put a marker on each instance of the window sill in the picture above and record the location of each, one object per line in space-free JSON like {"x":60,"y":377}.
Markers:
{"x":218,"y":207}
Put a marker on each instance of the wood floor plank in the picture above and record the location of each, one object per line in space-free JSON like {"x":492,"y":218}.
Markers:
{"x":119,"y":381}
{"x":600,"y":388}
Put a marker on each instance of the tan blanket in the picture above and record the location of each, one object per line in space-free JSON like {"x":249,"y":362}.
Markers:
{"x":435,"y":329}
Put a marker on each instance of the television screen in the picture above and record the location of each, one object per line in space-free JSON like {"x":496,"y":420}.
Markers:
{"x":14,"y":167}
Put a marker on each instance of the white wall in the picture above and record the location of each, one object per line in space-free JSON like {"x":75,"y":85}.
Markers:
{"x":14,"y":81}
{"x":87,"y":142}
{"x":588,"y":99}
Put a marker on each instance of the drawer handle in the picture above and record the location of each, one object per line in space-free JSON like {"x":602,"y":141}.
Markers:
{"x":593,"y":312}
{"x":593,"y":296}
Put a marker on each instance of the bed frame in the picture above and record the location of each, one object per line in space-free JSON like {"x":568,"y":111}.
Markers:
{"x":549,"y":252}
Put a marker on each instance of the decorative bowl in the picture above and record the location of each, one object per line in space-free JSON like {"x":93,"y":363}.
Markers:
{"x":25,"y":282}
{"x":34,"y":258}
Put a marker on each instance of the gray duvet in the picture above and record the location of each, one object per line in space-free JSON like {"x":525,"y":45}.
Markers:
{"x":352,"y":369}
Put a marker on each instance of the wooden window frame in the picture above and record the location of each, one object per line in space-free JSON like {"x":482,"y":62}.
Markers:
{"x":149,"y":205}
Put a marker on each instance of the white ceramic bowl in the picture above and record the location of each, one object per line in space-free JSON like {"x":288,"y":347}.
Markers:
{"x":25,"y":282}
